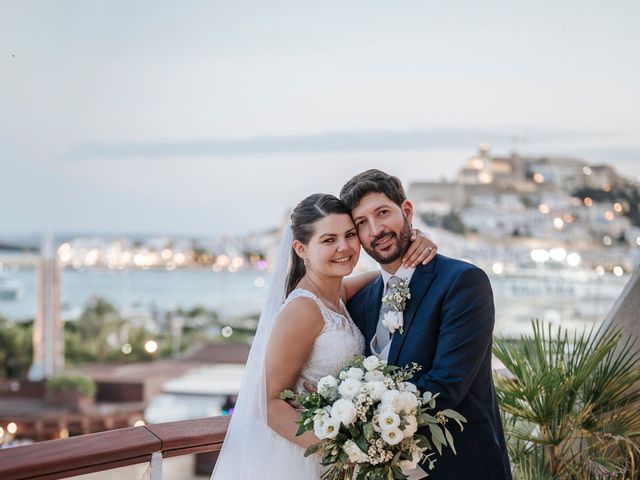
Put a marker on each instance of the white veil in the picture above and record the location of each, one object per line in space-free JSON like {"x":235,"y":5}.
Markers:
{"x":251,"y":449}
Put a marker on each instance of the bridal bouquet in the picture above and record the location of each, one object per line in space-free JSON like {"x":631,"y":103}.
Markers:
{"x":368,"y":419}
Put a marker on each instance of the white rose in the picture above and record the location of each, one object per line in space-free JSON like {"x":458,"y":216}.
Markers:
{"x":318,"y":426}
{"x":376,"y":390}
{"x":356,"y":455}
{"x":327,"y":386}
{"x":388,"y":420}
{"x":329,"y":382}
{"x":374,"y":376}
{"x":356,"y":373}
{"x":391,"y":400}
{"x":350,"y":387}
{"x":392,"y":437}
{"x":409,"y":387}
{"x":392,"y":321}
{"x":344,"y":411}
{"x":371,"y":363}
{"x":331,"y":428}
{"x":410,"y":427}
{"x":407,"y":401}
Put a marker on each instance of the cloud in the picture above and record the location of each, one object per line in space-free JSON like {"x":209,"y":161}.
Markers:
{"x":330,"y":142}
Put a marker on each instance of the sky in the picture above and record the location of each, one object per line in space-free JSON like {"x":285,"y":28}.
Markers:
{"x":205,"y":117}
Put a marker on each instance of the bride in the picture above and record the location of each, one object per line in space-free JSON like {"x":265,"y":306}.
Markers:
{"x":300,"y":338}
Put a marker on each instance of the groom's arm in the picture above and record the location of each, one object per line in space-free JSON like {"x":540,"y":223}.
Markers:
{"x":353,"y":284}
{"x":464,"y":339}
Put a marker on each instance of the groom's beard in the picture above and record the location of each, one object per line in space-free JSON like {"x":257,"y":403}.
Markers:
{"x":400,"y":244}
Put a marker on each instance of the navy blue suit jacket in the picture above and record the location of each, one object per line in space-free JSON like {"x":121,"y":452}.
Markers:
{"x":448,"y":326}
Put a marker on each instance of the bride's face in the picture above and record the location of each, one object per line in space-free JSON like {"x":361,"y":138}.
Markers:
{"x":334,"y":248}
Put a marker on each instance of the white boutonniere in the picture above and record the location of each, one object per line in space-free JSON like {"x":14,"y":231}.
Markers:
{"x":396,"y":300}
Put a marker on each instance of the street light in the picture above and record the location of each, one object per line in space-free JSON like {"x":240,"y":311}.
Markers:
{"x":539,"y":255}
{"x":151,"y":346}
{"x":573,"y":259}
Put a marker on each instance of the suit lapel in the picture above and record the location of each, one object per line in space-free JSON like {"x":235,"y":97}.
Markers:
{"x":419,"y":284}
{"x":373,"y":302}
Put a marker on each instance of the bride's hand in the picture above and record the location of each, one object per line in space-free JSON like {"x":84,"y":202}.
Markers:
{"x":308,"y":387}
{"x":420,"y":250}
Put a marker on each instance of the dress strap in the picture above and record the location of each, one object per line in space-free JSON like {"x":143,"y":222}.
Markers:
{"x":301,"y":292}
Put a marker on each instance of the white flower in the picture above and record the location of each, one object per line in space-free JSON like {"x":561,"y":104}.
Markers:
{"x":356,"y":373}
{"x":342,"y":376}
{"x":371,"y":363}
{"x":355,"y":454}
{"x":318,"y":426}
{"x":392,"y":320}
{"x":391,"y":400}
{"x":407,"y":401}
{"x":376,"y":390}
{"x":392,"y":437}
{"x":331,"y":428}
{"x":344,"y":411}
{"x":374,"y":376}
{"x":350,"y":387}
{"x":408,"y":387}
{"x":327,"y":386}
{"x":398,"y":296}
{"x":410,"y":427}
{"x":388,"y":420}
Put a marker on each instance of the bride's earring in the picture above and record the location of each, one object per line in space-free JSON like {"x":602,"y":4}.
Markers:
{"x":305,"y":262}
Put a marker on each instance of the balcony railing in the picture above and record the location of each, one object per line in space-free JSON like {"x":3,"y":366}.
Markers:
{"x":113,"y":449}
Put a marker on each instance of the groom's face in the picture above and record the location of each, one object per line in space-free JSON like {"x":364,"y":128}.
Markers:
{"x":384,"y":228}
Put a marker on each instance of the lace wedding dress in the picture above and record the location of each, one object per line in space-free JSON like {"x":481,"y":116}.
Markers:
{"x":278,"y":458}
{"x":338,"y":342}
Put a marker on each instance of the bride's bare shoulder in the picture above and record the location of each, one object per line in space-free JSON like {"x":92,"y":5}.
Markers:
{"x":300,"y":313}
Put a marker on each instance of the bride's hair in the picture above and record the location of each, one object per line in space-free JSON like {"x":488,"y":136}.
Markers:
{"x":306,"y":213}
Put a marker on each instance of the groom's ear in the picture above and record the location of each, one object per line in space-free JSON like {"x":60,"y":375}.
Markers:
{"x":407,"y":209}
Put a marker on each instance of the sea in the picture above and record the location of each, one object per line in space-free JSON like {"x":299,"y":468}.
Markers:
{"x":574,"y":302}
{"x":229,"y":294}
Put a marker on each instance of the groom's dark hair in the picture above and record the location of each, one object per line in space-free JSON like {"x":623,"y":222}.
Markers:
{"x":372,"y":181}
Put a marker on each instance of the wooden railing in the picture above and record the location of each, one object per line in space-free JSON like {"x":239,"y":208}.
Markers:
{"x":112,"y":449}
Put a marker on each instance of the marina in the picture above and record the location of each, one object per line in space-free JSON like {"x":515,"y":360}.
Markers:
{"x":573,"y":297}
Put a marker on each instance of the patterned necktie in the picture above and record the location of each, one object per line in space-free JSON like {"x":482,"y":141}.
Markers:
{"x":383,"y":335}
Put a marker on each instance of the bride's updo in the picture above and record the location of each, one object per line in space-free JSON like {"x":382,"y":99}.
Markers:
{"x":306,"y":213}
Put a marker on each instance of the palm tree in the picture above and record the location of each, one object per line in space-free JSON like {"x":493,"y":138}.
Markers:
{"x":571,"y":410}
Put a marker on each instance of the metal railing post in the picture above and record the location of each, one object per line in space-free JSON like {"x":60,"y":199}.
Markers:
{"x":156,"y":466}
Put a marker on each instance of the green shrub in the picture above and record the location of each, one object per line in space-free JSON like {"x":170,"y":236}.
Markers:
{"x":75,"y":382}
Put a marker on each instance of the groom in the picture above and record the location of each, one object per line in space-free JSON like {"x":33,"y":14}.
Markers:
{"x":448,"y":324}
